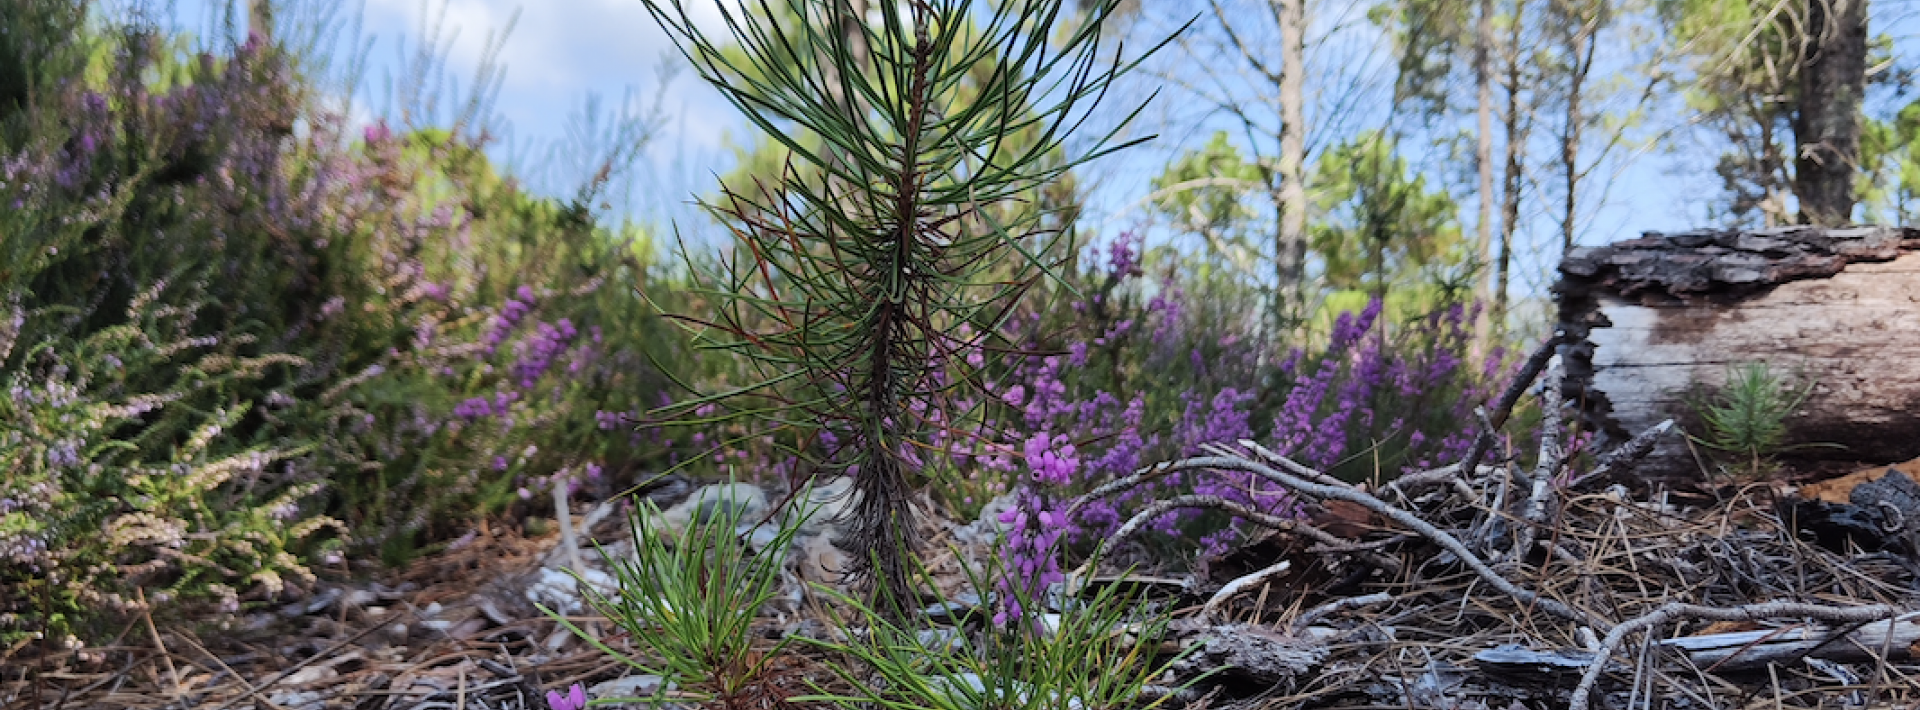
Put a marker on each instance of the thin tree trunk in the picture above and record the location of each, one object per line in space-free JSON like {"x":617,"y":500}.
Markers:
{"x":1826,"y":126}
{"x":1516,"y":133}
{"x":1483,"y":155}
{"x":1580,"y":53}
{"x":1291,"y":247}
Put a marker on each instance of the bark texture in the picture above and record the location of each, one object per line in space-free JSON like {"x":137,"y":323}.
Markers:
{"x":1654,"y":317}
{"x":1826,"y":125}
{"x":1290,"y":263}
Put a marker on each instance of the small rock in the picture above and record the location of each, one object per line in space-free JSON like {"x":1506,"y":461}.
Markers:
{"x":939,"y":640}
{"x":298,"y":700}
{"x":822,"y":562}
{"x":558,"y":590}
{"x":744,"y":502}
{"x":954,"y":610}
{"x":825,"y":504}
{"x":760,"y":537}
{"x":309,"y":675}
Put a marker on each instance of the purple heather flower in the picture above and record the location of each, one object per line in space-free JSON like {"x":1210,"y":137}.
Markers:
{"x":1053,"y":460}
{"x":575,"y":699}
{"x":1122,"y":260}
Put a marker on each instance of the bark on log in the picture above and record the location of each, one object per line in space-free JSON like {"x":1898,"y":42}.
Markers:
{"x":1651,"y":318}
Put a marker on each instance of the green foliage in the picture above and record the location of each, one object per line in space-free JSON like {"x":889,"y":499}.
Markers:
{"x":691,"y":599}
{"x":1379,"y":224}
{"x":1748,"y":416}
{"x":294,"y":326}
{"x":1202,"y":190}
{"x":853,"y":273}
{"x":106,"y":488}
{"x":1889,"y":183}
{"x":1101,"y":654}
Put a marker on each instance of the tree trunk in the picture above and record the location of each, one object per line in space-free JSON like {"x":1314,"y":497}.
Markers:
{"x":1826,"y":126}
{"x":1291,"y":242}
{"x":1516,"y":132}
{"x":1580,"y":56}
{"x":1483,"y":153}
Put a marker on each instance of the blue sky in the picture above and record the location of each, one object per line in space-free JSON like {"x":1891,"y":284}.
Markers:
{"x":560,"y":51}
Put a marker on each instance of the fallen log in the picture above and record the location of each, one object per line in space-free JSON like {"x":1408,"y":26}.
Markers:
{"x":1651,"y":319}
{"x":1749,"y":650}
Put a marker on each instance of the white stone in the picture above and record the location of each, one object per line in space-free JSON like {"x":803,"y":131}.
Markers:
{"x":558,"y":590}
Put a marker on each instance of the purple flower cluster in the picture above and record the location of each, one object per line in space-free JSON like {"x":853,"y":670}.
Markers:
{"x":1054,"y":459}
{"x":1397,"y":391}
{"x":1032,"y":554}
{"x":538,"y":352}
{"x":510,"y":315}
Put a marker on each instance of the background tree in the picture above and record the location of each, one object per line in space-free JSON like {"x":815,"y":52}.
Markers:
{"x":1784,"y":82}
{"x":1204,"y":192}
{"x":1378,"y":226}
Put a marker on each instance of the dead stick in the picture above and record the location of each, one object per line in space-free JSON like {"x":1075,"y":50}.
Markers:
{"x":146,"y":613}
{"x":1751,"y":612}
{"x":1626,"y":453}
{"x":1503,"y":407}
{"x":1237,"y":586}
{"x":564,"y":513}
{"x":1352,"y":495}
{"x":1534,"y":516}
{"x":1309,"y":616}
{"x":1266,"y":520}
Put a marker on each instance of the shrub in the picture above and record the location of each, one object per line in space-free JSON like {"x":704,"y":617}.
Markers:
{"x":205,"y":271}
{"x":1159,"y":372}
{"x":109,"y":489}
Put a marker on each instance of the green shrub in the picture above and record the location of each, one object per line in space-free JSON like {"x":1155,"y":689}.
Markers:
{"x":106,"y":489}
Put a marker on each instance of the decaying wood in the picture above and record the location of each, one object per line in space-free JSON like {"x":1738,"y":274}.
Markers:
{"x":1744,"y":650}
{"x":1838,"y":309}
{"x":1257,"y":653}
{"x":1669,"y":613}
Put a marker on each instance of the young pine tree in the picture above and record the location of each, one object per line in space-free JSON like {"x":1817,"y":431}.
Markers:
{"x":937,"y":122}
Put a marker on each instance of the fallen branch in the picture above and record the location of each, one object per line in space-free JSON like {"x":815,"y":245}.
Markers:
{"x":1309,"y":616}
{"x":1503,"y":407}
{"x":1534,"y":516}
{"x":1674,"y":611}
{"x":1742,"y":650}
{"x":1266,"y":520}
{"x":1627,"y":453}
{"x":1347,"y":493}
{"x":1241,"y":584}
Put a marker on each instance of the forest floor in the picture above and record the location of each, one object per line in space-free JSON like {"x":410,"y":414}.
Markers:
{"x":1763,"y":594}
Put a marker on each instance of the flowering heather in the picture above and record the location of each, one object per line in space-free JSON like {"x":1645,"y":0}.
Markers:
{"x":336,"y":338}
{"x":1153,"y":368}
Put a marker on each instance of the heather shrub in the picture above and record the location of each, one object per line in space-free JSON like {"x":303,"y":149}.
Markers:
{"x":110,"y":488}
{"x":229,"y":318}
{"x":506,"y":347}
{"x":1144,"y":369}
{"x":143,"y":332}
